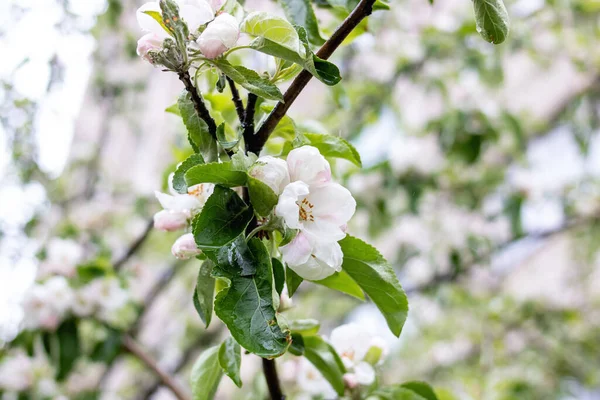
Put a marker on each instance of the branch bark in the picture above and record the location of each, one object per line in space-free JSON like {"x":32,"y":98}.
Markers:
{"x":198,"y":103}
{"x":135,"y":246}
{"x":270,"y":371}
{"x":360,"y":12}
{"x":248,"y":123}
{"x":237,"y":101}
{"x":131,"y":346}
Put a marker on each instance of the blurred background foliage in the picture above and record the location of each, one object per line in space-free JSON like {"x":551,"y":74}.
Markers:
{"x":480,"y":185}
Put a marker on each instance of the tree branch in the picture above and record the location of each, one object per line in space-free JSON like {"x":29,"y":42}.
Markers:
{"x":235,"y":97}
{"x":362,"y":10}
{"x":270,"y":371}
{"x":248,"y":123}
{"x":134,"y":247}
{"x":131,"y":346}
{"x":199,"y":105}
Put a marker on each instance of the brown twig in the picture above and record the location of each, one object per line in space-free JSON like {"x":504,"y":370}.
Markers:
{"x":270,"y":371}
{"x":134,"y":348}
{"x":237,"y":101}
{"x":248,"y":123}
{"x":360,"y":12}
{"x":199,"y":105}
{"x":135,"y":246}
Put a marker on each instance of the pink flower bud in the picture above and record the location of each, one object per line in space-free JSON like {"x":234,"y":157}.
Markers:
{"x":170,"y":221}
{"x":149,"y":41}
{"x":185,"y":247}
{"x":350,"y":381}
{"x":219,"y":36}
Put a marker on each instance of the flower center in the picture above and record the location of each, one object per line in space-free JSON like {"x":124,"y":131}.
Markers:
{"x":305,"y":212}
{"x":196,"y":191}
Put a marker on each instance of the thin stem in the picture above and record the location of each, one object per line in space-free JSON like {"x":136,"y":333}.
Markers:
{"x":131,"y":346}
{"x":248,"y":123}
{"x":231,"y":50}
{"x":235,"y":97}
{"x":270,"y":371}
{"x":135,"y":246}
{"x":199,"y":105}
{"x":362,"y":10}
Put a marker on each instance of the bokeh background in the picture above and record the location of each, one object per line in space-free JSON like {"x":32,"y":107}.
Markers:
{"x":480,"y":186}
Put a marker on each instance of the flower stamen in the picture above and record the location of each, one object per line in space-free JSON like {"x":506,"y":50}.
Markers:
{"x":305,"y":211}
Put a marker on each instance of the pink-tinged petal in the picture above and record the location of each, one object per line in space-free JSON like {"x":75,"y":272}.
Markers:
{"x":306,"y":164}
{"x":332,"y":202}
{"x":170,"y":221}
{"x":298,"y":251}
{"x":365,"y":374}
{"x":149,"y":41}
{"x":287,"y":207}
{"x":219,"y":36}
{"x":185,"y":247}
{"x":272,"y":171}
{"x":149,"y":24}
{"x":196,"y":14}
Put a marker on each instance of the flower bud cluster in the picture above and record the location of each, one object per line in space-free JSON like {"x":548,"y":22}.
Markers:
{"x":312,"y":204}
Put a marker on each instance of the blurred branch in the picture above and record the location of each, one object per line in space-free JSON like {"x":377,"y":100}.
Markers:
{"x":455,"y":274}
{"x":135,"y":246}
{"x":134,"y":348}
{"x":270,"y":371}
{"x":360,"y":12}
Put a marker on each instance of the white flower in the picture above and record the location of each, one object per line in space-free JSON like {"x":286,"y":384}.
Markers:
{"x":421,"y":154}
{"x":194,"y":12}
{"x":219,"y":36}
{"x":84,"y":302}
{"x":306,"y":164}
{"x":322,"y":211}
{"x":271,"y":171}
{"x":359,"y":351}
{"x":311,"y":258}
{"x":16,"y":372}
{"x":62,"y":256}
{"x":185,"y":247}
{"x":311,"y":381}
{"x":45,"y":304}
{"x":150,"y":41}
{"x":285,"y":302}
{"x":180,"y":208}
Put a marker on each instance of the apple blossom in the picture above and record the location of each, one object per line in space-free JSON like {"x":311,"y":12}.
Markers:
{"x":180,"y":208}
{"x":322,"y":210}
{"x":194,"y":12}
{"x":219,"y":36}
{"x":312,"y":382}
{"x":45,"y":304}
{"x":16,"y":372}
{"x":359,"y":351}
{"x":272,"y":171}
{"x":308,"y":165}
{"x":185,"y":247}
{"x":150,"y":41}
{"x":312,"y":258}
{"x":62,"y":256}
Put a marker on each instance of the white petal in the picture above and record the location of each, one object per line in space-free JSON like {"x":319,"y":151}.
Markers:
{"x":219,"y":36}
{"x":333,"y":202}
{"x":330,"y":253}
{"x":170,"y":221}
{"x":287,"y":208}
{"x":308,"y":165}
{"x":298,"y":251}
{"x":195,"y":14}
{"x":365,"y":374}
{"x":271,"y":171}
{"x":149,"y":24}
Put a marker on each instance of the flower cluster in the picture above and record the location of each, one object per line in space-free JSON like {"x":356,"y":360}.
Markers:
{"x":312,"y":204}
{"x":178,"y":211}
{"x":218,"y":31}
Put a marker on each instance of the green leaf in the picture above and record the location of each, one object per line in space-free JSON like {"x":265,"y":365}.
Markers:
{"x":421,"y":388}
{"x":383,"y":5}
{"x":293,"y":280}
{"x":179,"y":183}
{"x":342,"y":282}
{"x":262,"y":197}
{"x":218,"y":173}
{"x":198,"y":135}
{"x":322,"y":355}
{"x":333,"y":146}
{"x":242,"y":162}
{"x":109,"y":347}
{"x":275,"y":29}
{"x":376,"y":277}
{"x":173,"y":23}
{"x":230,"y":359}
{"x":395,"y":393}
{"x":246,"y":306}
{"x":306,"y":327}
{"x":297,"y":345}
{"x":249,"y":80}
{"x":492,"y":20}
{"x":236,"y":257}
{"x":158,"y":18}
{"x":278,"y":275}
{"x":224,"y":217}
{"x":206,"y":374}
{"x":300,"y":12}
{"x":173,"y":109}
{"x":224,"y":141}
{"x":205,"y":292}
{"x":68,"y":342}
